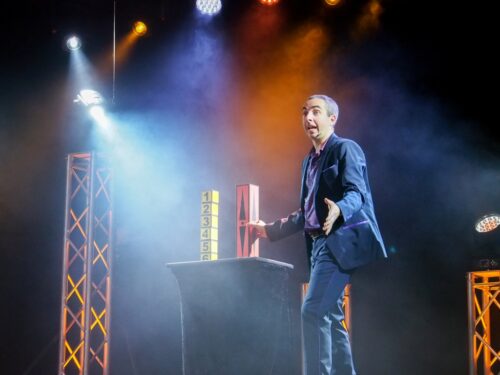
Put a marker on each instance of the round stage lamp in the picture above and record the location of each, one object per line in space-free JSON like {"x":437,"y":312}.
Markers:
{"x":487,"y":223}
{"x":140,"y":28}
{"x":486,"y":242}
{"x":209,"y":7}
{"x":332,"y":3}
{"x":269,"y":2}
{"x":97,"y":112}
{"x":73,"y":43}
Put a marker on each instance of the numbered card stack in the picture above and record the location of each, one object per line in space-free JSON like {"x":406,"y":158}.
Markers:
{"x":209,"y":232}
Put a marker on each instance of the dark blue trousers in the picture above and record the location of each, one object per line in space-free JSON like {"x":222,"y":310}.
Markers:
{"x":326,"y":342}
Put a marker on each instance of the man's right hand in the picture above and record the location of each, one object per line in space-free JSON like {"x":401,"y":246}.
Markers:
{"x":258,"y":228}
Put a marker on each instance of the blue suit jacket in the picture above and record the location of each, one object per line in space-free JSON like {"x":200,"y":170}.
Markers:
{"x":355,"y":239}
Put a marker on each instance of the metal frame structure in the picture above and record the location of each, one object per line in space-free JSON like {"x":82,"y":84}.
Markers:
{"x":346,"y":304}
{"x":483,"y":292}
{"x":86,"y":274}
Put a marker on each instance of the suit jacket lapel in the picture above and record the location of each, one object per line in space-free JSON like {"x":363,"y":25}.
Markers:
{"x":305,"y":164}
{"x":322,"y":161}
{"x":303,"y":186}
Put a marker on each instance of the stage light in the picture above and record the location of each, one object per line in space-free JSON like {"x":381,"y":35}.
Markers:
{"x":73,"y":43}
{"x":93,"y":100}
{"x":140,"y":28}
{"x":101,"y":118}
{"x":97,"y":111}
{"x":486,"y":251}
{"x":89,"y":98}
{"x":269,"y":2}
{"x":332,"y":3}
{"x":209,"y":7}
{"x":99,"y":115}
{"x":487,"y":223}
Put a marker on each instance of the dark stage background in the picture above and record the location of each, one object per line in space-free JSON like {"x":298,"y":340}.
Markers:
{"x":204,"y":105}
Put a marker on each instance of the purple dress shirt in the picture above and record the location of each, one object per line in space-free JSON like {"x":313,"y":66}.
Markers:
{"x":311,"y":219}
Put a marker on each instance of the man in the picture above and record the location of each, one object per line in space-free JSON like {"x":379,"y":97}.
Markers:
{"x":337,"y":216}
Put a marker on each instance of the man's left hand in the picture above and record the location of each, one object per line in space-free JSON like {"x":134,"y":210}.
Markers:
{"x":333,"y":215}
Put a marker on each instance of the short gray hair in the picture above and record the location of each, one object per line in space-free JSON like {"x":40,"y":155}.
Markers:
{"x":332,"y":107}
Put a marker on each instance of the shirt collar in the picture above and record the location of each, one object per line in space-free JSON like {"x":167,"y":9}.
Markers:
{"x":323,"y":145}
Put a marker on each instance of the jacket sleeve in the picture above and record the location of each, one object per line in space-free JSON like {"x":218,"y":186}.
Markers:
{"x":352,"y":166}
{"x":285,"y":227}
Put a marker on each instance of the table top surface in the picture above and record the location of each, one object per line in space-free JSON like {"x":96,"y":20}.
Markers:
{"x":230,"y":260}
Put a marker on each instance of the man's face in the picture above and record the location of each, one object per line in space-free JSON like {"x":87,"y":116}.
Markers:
{"x":318,"y":125}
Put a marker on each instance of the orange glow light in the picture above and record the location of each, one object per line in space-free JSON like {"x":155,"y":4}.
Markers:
{"x":332,"y":2}
{"x":140,"y":28}
{"x":269,"y":2}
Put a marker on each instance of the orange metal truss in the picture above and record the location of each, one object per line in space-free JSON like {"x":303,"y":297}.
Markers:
{"x":483,"y":292}
{"x":86,"y":275}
